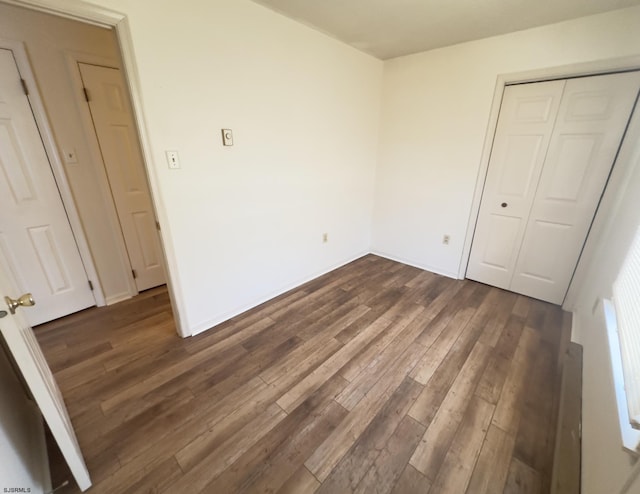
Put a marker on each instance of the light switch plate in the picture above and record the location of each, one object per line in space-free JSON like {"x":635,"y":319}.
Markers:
{"x":173,"y":160}
{"x":227,"y":137}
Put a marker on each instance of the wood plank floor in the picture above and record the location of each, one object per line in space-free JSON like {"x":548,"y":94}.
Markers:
{"x":377,"y":377}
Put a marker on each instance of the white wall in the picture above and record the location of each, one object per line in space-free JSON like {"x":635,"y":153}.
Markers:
{"x":22,"y":451}
{"x":244,"y":223}
{"x":606,"y":467}
{"x":435,"y":111}
{"x":49,"y":40}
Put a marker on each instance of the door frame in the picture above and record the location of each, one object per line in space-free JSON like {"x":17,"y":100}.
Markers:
{"x":615,"y":179}
{"x":103,"y":17}
{"x":55,"y":163}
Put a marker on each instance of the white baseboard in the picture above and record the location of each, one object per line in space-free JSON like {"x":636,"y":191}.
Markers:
{"x":118,"y":297}
{"x":206,"y":325}
{"x":425,"y":267}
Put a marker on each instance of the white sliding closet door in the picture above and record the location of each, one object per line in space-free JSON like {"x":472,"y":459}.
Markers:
{"x":554,"y":147}
{"x":522,"y":137}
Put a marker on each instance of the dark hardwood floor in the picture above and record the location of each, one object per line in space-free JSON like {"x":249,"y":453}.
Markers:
{"x":377,"y":377}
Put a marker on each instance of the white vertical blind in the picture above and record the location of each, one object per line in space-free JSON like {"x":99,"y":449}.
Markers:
{"x":626,"y":298}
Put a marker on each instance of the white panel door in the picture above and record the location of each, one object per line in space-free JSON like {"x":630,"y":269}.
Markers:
{"x":35,"y":235}
{"x":520,"y":146}
{"x":23,"y":455}
{"x":113,"y":121}
{"x":537,"y":255}
{"x":28,"y":356}
{"x":591,"y":122}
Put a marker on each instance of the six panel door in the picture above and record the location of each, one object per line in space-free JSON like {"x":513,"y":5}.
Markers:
{"x":113,"y":121}
{"x":520,"y":146}
{"x":37,"y":246}
{"x":588,"y":127}
{"x":26,"y":353}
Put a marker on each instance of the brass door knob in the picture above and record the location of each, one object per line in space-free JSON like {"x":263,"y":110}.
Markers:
{"x":25,"y":301}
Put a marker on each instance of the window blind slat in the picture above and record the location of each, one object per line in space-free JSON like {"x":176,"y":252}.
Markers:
{"x":626,"y":298}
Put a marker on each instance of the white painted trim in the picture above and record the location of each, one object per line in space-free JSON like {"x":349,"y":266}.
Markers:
{"x":118,"y":297}
{"x":574,"y":70}
{"x":72,"y":57}
{"x":206,"y":325}
{"x":57,"y":168}
{"x":482,"y":175}
{"x":630,"y":437}
{"x":72,"y":9}
{"x":72,"y":60}
{"x":426,"y":267}
{"x":559,"y":72}
{"x":93,"y":14}
{"x":171,"y":265}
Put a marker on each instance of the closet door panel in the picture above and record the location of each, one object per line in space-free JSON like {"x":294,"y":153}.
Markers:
{"x":522,"y":138}
{"x":592,"y":118}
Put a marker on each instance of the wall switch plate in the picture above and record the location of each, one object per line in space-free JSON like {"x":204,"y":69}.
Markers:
{"x":173,"y":160}
{"x":227,"y":137}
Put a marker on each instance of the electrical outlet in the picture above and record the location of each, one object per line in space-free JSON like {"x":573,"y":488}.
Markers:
{"x":446,"y":239}
{"x":325,"y":238}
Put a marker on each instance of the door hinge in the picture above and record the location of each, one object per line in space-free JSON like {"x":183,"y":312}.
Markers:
{"x":135,"y":275}
{"x":86,"y":94}
{"x":24,"y":87}
{"x":90,"y":285}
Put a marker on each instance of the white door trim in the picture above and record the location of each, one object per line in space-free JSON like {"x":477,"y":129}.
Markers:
{"x":96,"y":15}
{"x":561,"y":72}
{"x":51,"y":149}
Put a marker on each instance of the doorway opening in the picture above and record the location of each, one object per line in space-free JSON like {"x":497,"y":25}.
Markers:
{"x":95,"y":156}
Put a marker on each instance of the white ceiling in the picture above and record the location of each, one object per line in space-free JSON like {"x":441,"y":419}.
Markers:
{"x":392,"y":28}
